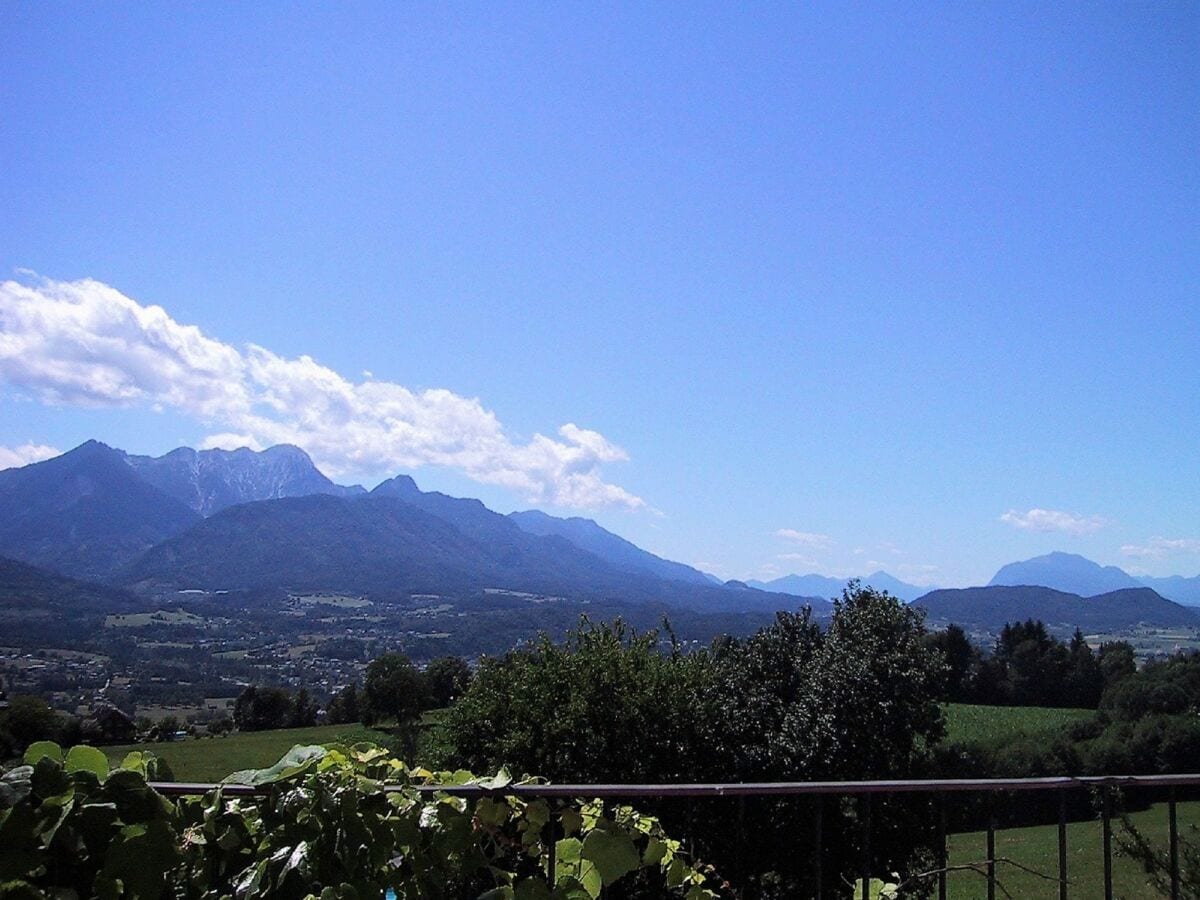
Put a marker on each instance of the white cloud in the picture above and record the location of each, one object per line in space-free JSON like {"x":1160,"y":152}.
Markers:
{"x":806,"y":538}
{"x":12,"y":457}
{"x":84,"y":343}
{"x":1053,"y":520}
{"x":797,"y":557}
{"x":1161,"y":547}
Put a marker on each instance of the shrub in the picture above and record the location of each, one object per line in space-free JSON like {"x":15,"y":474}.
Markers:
{"x":324,"y":826}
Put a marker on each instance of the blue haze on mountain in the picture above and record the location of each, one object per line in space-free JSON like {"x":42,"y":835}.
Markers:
{"x":615,"y":550}
{"x":825,"y":586}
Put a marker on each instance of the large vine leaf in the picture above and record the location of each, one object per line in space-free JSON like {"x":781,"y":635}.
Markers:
{"x":87,"y":759}
{"x":613,"y":854}
{"x":298,"y":759}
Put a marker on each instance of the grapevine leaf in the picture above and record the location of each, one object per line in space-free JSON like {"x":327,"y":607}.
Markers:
{"x":87,"y":759}
{"x":43,"y":749}
{"x":613,"y":853}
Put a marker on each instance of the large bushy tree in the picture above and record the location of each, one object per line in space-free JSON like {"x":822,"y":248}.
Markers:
{"x":854,"y":700}
{"x":260,"y":708}
{"x":606,"y":705}
{"x":394,"y":689}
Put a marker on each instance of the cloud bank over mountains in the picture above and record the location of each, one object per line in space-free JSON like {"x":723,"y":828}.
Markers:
{"x":1160,"y":547}
{"x":1053,"y":520}
{"x":84,"y":343}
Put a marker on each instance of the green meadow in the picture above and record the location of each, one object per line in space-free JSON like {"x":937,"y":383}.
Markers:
{"x":1036,"y":848}
{"x":212,"y":758}
{"x":966,"y":723}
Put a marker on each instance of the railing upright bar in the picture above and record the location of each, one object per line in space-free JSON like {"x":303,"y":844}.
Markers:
{"x":943,"y":850}
{"x":1062,"y":845}
{"x":1174,"y":850}
{"x":741,"y":840}
{"x":552,"y":852}
{"x":818,"y":842}
{"x":991,"y":846}
{"x":1106,"y":815}
{"x":865,"y":862}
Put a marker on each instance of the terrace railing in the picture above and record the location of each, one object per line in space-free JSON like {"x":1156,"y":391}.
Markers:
{"x":863,"y":792}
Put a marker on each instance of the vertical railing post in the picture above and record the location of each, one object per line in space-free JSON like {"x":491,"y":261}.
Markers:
{"x":1174,"y":851}
{"x":1106,"y":815}
{"x":943,"y":851}
{"x":865,"y":862}
{"x":741,"y":841}
{"x":551,"y":850}
{"x":1062,"y":844}
{"x":818,"y":841}
{"x":991,"y":845}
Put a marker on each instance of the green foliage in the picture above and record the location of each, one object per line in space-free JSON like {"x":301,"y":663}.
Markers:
{"x":604,"y":706}
{"x":261,"y":708}
{"x":212,"y":759}
{"x":394,"y":689}
{"x":304,"y":711}
{"x":857,"y":700}
{"x":344,"y":707}
{"x":68,"y":823}
{"x":325,"y":826}
{"x":1029,"y":667}
{"x":26,"y":720}
{"x":447,"y":678}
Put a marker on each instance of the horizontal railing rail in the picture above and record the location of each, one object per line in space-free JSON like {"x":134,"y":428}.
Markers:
{"x":862,"y":790}
{"x":736,"y":789}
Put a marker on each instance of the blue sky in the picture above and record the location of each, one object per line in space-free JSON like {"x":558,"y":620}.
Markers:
{"x":813,"y":287}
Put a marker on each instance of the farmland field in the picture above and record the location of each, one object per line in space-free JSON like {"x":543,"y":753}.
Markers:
{"x":211,"y":759}
{"x":1037,"y":848}
{"x":966,"y":723}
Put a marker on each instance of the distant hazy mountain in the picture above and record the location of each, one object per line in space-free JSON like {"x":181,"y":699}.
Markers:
{"x":824,"y":586}
{"x":84,"y":513}
{"x":994,"y":606}
{"x":1176,"y":587}
{"x":618,"y":552}
{"x":211,"y":480}
{"x":1066,"y":572}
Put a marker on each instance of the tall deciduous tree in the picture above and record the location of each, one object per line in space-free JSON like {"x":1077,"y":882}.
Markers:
{"x":394,"y":688}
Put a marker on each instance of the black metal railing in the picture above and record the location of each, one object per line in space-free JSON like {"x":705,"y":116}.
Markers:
{"x":863,"y":791}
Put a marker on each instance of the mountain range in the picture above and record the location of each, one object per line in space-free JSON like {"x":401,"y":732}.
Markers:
{"x":246,"y":520}
{"x":270,"y":520}
{"x":1079,"y":575}
{"x":208,"y":481}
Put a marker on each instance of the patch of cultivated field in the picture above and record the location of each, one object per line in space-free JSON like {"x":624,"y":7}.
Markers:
{"x":160,"y":617}
{"x":967,"y":723}
{"x":212,"y":758}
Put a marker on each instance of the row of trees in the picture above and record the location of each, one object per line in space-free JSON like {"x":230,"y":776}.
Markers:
{"x":855,"y":700}
{"x":1030,"y":667}
{"x":394,"y":690}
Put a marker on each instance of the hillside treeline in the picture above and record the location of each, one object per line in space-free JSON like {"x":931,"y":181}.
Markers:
{"x":1027,"y":666}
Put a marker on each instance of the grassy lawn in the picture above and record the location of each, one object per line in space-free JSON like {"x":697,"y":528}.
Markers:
{"x":989,"y":724}
{"x":211,"y":759}
{"x":1037,"y":848}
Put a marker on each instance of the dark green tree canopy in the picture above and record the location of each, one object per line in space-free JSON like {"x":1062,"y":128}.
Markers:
{"x":447,"y":678}
{"x":394,"y":689}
